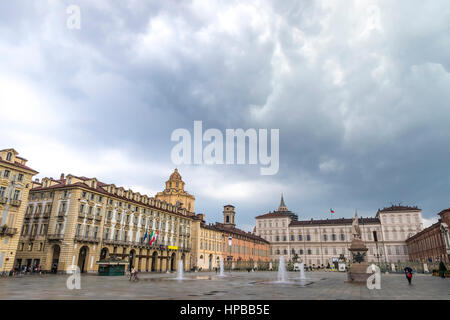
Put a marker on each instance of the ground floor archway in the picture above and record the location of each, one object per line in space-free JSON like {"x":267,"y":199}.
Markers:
{"x":154,"y":258}
{"x":55,"y":258}
{"x":82,"y":258}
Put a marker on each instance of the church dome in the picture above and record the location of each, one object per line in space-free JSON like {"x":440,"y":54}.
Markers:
{"x":175,"y":175}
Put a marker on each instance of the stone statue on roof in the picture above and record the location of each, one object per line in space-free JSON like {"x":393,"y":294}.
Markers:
{"x":356,"y":231}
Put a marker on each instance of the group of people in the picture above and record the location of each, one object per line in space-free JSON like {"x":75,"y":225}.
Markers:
{"x":409,"y":272}
{"x":26,"y":270}
{"x":134,"y":274}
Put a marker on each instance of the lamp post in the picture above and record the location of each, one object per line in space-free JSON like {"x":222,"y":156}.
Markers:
{"x":230,"y":239}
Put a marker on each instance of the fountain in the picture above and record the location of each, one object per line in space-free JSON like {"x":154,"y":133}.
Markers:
{"x":281,"y":270}
{"x":221,"y":274}
{"x":302,"y":271}
{"x":180,"y":270}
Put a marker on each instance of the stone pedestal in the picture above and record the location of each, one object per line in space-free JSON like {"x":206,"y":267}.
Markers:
{"x":358,"y":270}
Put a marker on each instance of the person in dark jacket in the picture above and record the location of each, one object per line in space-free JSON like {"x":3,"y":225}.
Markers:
{"x":442,"y":269}
{"x":408,"y":273}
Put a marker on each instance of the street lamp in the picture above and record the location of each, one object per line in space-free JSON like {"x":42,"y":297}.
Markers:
{"x":230,"y":239}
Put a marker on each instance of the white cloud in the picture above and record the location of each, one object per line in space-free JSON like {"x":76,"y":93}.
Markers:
{"x":429,"y":221}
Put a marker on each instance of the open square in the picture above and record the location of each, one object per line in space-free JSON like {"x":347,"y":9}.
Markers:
{"x":237,"y":285}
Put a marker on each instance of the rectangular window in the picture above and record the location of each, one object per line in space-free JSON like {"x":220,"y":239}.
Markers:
{"x":2,"y":192}
{"x":16,"y":194}
{"x":6,"y":174}
{"x":20,"y":177}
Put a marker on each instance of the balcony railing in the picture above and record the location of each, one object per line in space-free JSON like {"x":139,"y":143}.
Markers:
{"x":90,"y":216}
{"x":116,"y":242}
{"x":8,"y":231}
{"x":3,"y":200}
{"x":98,"y":218}
{"x":15,"y":203}
{"x":80,"y":238}
{"x":46,"y":215}
{"x":55,"y":237}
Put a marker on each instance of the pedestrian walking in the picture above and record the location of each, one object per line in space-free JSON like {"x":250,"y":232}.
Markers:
{"x":442,"y":269}
{"x":408,"y":273}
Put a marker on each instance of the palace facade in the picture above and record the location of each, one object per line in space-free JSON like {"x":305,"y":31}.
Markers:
{"x":15,"y":182}
{"x":323,"y":242}
{"x":79,"y":221}
{"x":433,"y":243}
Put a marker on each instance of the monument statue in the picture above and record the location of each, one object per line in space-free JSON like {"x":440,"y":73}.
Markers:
{"x":356,"y":231}
{"x":358,"y":250}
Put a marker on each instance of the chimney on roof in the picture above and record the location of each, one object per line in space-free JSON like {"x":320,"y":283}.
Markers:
{"x":62,"y":176}
{"x":201,"y":216}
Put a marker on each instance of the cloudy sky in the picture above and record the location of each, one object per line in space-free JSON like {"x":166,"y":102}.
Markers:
{"x":360,"y":91}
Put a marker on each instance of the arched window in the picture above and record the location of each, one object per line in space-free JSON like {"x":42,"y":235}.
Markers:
{"x":8,"y":157}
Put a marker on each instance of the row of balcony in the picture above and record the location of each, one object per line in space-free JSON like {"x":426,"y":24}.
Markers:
{"x":88,"y":239}
{"x":141,"y":245}
{"x":14,"y":203}
{"x":7,"y":231}
{"x":44,"y":215}
{"x":89,"y":216}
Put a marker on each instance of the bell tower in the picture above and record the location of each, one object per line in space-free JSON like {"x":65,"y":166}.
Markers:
{"x":228,"y":216}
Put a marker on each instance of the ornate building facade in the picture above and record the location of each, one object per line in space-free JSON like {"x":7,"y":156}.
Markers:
{"x":433,"y":243}
{"x":79,"y":221}
{"x":322,"y":242}
{"x":15,"y":180}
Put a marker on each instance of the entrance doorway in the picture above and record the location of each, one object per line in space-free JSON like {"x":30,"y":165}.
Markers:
{"x":154,"y":257}
{"x":55,"y":258}
{"x":172,"y":262}
{"x":103,"y":254}
{"x":131,"y":257}
{"x":82,"y":259}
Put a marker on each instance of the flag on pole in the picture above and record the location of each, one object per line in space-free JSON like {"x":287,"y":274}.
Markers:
{"x":150,"y":237}
{"x":154,"y":237}
{"x":146,"y":235}
{"x":331,"y":210}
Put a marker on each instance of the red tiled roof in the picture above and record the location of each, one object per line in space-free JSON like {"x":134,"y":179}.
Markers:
{"x":18,"y":164}
{"x":278,"y":214}
{"x":221,"y":227}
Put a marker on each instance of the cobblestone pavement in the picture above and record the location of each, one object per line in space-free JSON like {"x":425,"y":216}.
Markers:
{"x":238,"y":285}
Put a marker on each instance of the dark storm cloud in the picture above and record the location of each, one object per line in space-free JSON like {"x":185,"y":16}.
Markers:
{"x":358,"y":90}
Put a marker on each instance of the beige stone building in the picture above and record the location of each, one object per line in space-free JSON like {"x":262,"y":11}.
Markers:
{"x":80,"y":221}
{"x":322,"y":242}
{"x":15,"y":183}
{"x":207,"y":244}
